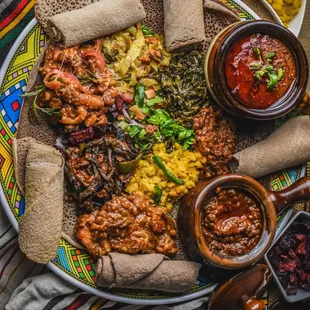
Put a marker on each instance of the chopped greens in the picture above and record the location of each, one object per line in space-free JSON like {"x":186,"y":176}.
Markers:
{"x":183,"y":86}
{"x":153,"y":101}
{"x":168,"y":130}
{"x":139,"y":95}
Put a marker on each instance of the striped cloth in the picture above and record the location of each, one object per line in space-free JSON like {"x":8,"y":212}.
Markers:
{"x":14,"y":16}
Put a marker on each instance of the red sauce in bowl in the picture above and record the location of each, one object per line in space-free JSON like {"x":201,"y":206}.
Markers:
{"x":259,"y":70}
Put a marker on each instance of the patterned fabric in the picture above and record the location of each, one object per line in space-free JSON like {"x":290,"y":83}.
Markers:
{"x":14,"y":16}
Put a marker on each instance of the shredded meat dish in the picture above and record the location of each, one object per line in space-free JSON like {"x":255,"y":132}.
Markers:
{"x":215,"y":139}
{"x":78,"y":86}
{"x":127,"y":224}
{"x":92,"y":168}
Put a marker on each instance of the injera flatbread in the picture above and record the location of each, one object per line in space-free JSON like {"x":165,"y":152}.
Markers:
{"x":40,"y":226}
{"x":214,"y":22}
{"x":183,"y":24}
{"x":95,"y":20}
{"x":146,"y":271}
{"x":287,"y":147}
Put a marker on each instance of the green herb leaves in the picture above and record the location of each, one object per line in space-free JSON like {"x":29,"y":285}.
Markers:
{"x":274,"y":74}
{"x":139,"y":95}
{"x":183,"y":86}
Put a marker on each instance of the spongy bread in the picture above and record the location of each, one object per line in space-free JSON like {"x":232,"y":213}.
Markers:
{"x":41,"y":225}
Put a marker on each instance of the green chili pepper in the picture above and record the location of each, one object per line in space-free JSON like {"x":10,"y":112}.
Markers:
{"x":273,"y":80}
{"x":257,"y":52}
{"x":280,"y":73}
{"x":147,"y":31}
{"x":270,"y":55}
{"x":139,"y":95}
{"x":259,"y":74}
{"x":255,"y":66}
{"x":129,"y":166}
{"x":81,"y":147}
{"x":157,"y":194}
{"x":170,"y":176}
{"x":269,"y":68}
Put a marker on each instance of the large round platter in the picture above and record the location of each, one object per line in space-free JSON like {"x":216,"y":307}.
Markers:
{"x":72,"y":264}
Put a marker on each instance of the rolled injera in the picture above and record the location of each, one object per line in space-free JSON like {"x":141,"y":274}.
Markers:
{"x":40,"y":226}
{"x":184,"y":23}
{"x":288,"y":146}
{"x":146,"y":271}
{"x":94,"y":21}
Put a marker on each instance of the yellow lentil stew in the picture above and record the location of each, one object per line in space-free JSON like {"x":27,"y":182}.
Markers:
{"x":183,"y":164}
{"x":286,"y":9}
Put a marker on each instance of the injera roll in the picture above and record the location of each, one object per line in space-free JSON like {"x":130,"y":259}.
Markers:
{"x":94,"y":21}
{"x":20,"y":149}
{"x":146,"y":271}
{"x":184,"y":23}
{"x":220,"y":6}
{"x":288,"y":146}
{"x":40,"y":226}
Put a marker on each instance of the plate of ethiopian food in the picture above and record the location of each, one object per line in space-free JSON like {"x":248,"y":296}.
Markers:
{"x":149,"y":148}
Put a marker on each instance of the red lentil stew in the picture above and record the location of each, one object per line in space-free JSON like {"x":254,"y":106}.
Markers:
{"x":259,"y":70}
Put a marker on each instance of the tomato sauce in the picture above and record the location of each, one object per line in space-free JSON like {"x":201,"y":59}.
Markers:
{"x":247,"y":59}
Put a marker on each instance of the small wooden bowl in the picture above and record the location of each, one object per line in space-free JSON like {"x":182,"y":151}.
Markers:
{"x":215,"y":69}
{"x":190,"y":216}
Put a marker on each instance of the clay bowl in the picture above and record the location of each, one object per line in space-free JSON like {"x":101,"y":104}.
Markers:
{"x":215,"y":61}
{"x":242,"y":291}
{"x":271,"y":203}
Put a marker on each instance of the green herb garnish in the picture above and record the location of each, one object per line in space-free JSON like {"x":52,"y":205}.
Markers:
{"x":280,"y":73}
{"x":170,"y":176}
{"x":267,"y":70}
{"x":36,"y":91}
{"x":147,"y":32}
{"x":270,"y":55}
{"x":273,"y":80}
{"x":258,"y":53}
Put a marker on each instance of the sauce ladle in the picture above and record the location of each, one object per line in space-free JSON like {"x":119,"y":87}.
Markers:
{"x":272,"y":203}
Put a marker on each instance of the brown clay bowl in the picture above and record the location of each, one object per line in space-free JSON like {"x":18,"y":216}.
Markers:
{"x":215,"y":69}
{"x":272,"y":203}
